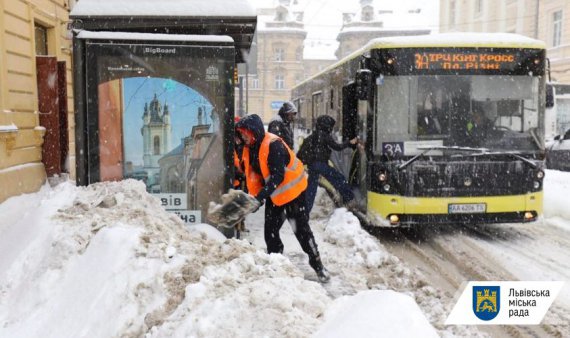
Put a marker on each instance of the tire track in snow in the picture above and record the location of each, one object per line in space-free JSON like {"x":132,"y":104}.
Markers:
{"x":450,"y":256}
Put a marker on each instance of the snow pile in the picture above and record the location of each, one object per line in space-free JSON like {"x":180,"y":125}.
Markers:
{"x":343,"y":229}
{"x":106,"y":261}
{"x":370,"y":314}
{"x":362,"y":263}
{"x":556,"y":186}
{"x":251,"y":296}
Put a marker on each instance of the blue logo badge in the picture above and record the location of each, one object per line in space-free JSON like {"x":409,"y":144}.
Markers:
{"x":486,"y":301}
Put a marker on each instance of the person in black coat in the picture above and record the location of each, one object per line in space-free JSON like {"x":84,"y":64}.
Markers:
{"x":315,"y":153}
{"x":277,"y":160}
{"x":281,"y":124}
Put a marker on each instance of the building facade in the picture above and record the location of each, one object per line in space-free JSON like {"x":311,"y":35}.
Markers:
{"x":369,"y":23}
{"x":546,"y":20}
{"x":36,"y":104}
{"x":280,"y":37}
{"x":285,"y":57}
{"x":554,"y":29}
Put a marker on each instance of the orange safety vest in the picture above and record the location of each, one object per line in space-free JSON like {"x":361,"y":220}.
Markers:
{"x":237,"y":168}
{"x":294,"y":182}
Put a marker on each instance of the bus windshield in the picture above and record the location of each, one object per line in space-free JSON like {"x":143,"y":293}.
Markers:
{"x":495,"y":112}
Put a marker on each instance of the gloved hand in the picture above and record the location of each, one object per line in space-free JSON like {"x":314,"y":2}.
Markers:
{"x":258,"y":205}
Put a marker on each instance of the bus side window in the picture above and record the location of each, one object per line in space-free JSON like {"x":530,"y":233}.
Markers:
{"x":349,"y":112}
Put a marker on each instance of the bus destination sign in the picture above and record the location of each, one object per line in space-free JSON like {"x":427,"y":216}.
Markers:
{"x":457,"y":60}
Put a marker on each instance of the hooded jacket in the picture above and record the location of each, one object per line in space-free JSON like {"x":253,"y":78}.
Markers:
{"x":271,"y":168}
{"x":320,"y":142}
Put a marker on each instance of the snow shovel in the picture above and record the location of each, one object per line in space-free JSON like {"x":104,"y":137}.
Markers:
{"x":235,"y":205}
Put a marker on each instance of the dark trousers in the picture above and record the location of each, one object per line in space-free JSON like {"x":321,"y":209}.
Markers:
{"x":296,"y":214}
{"x":316,"y":169}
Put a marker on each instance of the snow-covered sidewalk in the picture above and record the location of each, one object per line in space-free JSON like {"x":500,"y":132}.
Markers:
{"x":107,"y":261}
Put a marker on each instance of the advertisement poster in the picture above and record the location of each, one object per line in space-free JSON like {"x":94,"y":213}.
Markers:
{"x":158,"y":118}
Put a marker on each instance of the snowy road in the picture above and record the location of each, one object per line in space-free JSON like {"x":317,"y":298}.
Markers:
{"x":112,"y":247}
{"x":449,"y":256}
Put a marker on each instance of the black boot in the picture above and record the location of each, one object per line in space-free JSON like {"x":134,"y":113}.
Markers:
{"x":322,"y":273}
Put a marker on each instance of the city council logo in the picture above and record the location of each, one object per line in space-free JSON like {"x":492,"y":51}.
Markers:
{"x":486,"y":301}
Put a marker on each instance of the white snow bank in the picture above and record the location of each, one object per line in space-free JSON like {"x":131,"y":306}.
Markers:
{"x":375,"y":313}
{"x":556,"y":187}
{"x":254,"y":295}
{"x":107,"y":261}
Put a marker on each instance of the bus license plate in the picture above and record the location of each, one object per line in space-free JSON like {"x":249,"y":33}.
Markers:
{"x":472,"y":208}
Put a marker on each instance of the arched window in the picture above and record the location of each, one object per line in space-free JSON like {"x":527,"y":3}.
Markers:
{"x":156,"y":145}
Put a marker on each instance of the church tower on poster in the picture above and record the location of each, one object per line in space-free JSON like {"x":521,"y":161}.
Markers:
{"x":157,"y":133}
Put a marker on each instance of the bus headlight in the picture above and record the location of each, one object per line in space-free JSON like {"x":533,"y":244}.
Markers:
{"x":467,"y":181}
{"x":383,"y":177}
{"x":540,"y":174}
{"x":394,"y":219}
{"x":386,"y":187}
{"x":536,"y":184}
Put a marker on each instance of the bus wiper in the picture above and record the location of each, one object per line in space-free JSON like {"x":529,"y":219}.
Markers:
{"x":515,"y":155}
{"x":427,"y":149}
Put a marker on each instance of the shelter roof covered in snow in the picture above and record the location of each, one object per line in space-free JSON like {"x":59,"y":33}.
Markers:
{"x":234,"y":18}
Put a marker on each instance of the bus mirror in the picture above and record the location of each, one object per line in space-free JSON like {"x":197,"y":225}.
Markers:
{"x":549,"y":96}
{"x":363,"y":84}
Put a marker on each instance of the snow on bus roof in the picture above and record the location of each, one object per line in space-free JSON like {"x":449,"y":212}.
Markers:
{"x":153,"y":8}
{"x":152,"y":37}
{"x":463,"y":39}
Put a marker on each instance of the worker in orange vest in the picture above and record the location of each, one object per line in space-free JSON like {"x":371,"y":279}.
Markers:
{"x":274,"y":175}
{"x":239,"y":177}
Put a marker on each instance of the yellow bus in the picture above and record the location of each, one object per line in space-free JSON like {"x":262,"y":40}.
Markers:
{"x":452,"y":126}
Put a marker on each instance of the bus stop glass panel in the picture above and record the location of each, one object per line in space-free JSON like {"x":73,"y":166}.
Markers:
{"x":158,"y":119}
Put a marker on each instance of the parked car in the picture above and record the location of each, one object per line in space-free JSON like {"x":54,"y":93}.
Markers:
{"x":558,"y":152}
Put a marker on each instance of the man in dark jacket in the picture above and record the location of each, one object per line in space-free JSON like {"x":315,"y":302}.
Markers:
{"x":275,"y":175}
{"x":281,"y":124}
{"x":316,"y":156}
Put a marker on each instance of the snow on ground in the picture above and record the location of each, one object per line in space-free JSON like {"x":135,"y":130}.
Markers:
{"x":107,"y":261}
{"x":539,"y":250}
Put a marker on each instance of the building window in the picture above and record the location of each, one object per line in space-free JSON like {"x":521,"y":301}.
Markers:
{"x":41,"y":36}
{"x":478,"y":6}
{"x":156,"y":145}
{"x":556,"y":28}
{"x":452,"y":14}
{"x":255,"y":83}
{"x":367,"y":14}
{"x":279,"y":54}
{"x":279,"y":81}
{"x":299,"y":54}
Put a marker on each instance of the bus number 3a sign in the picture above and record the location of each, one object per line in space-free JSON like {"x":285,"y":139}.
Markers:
{"x":393,"y":148}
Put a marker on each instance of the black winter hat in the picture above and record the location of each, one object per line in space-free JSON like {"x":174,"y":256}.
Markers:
{"x":325,"y":123}
{"x":287,"y":108}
